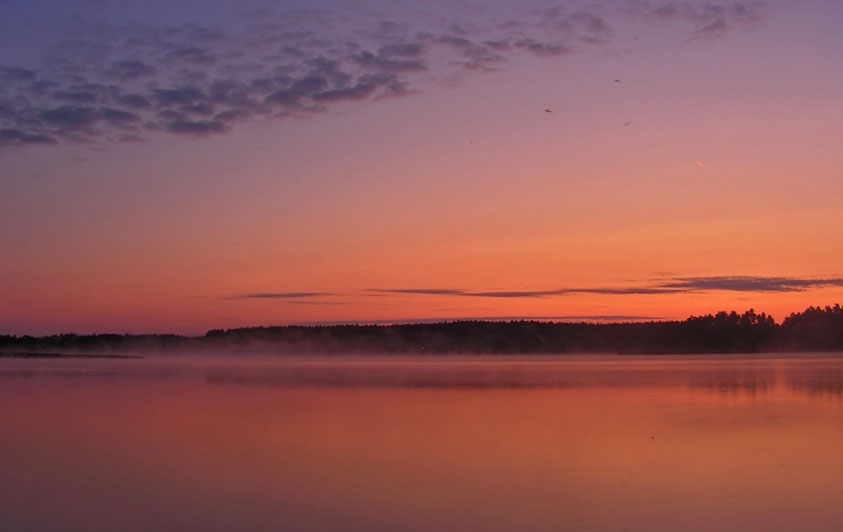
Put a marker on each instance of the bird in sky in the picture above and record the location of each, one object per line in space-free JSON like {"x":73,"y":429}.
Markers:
{"x":548,"y":111}
{"x":618,"y":81}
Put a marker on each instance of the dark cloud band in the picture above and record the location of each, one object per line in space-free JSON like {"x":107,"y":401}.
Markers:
{"x":674,"y":286}
{"x":281,"y":295}
{"x":678,"y":285}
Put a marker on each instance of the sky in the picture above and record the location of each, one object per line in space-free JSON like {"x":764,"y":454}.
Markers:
{"x":183,"y":166}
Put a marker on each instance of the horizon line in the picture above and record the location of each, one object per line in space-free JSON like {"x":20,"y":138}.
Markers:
{"x":599,"y":319}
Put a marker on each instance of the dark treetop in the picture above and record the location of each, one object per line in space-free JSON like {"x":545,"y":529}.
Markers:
{"x":815,"y":329}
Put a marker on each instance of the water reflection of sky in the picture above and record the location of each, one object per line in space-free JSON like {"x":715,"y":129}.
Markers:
{"x":655,"y":443}
{"x":752,"y":375}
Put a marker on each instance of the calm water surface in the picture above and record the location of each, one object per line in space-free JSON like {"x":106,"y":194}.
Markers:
{"x":468,"y":444}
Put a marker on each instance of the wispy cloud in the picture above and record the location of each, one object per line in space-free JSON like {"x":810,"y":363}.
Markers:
{"x":280,"y":295}
{"x":751,"y":284}
{"x":705,"y":20}
{"x":672,"y":286}
{"x":111,"y":83}
{"x":428,"y":291}
{"x":515,"y":294}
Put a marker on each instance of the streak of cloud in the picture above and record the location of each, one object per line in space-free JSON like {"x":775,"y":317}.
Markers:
{"x":751,"y":284}
{"x":280,"y":295}
{"x":676,"y":285}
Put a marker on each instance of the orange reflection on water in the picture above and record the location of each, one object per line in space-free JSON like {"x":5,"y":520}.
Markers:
{"x":706,"y":446}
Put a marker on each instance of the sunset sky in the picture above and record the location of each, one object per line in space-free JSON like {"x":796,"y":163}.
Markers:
{"x":180,"y":166}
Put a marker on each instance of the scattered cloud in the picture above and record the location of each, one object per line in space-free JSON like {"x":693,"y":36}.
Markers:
{"x":705,"y":20}
{"x":129,"y":70}
{"x":109,"y":82}
{"x":543,"y":48}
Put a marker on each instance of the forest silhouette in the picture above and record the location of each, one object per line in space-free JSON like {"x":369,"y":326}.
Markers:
{"x":815,"y":329}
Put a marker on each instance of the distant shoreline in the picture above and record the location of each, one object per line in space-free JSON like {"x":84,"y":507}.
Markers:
{"x":814,"y":330}
{"x":28,"y":354}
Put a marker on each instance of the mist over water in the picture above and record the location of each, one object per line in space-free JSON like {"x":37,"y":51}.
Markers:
{"x":423,"y":443}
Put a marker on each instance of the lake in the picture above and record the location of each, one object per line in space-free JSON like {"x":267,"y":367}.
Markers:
{"x":661,"y":443}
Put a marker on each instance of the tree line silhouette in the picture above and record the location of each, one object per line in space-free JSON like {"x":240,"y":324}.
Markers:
{"x":815,"y":329}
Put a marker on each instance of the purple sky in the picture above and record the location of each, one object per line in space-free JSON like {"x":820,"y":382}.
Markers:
{"x":162,"y":162}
